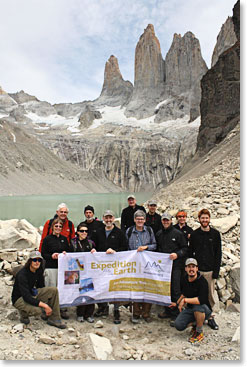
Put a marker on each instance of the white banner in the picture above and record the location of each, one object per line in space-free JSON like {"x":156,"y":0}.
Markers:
{"x":85,"y":278}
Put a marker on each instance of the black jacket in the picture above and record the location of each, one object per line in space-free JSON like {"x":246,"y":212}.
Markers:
{"x":93,"y":227}
{"x":116,"y":240}
{"x":127,"y":216}
{"x":53,"y":244}
{"x":205,"y":247}
{"x":186,"y":230}
{"x":171,"y":240}
{"x":197,"y":288}
{"x":81,"y":246}
{"x":154,"y":221}
{"x":25,"y":281}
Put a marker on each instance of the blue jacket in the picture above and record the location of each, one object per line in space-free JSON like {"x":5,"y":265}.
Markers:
{"x":143,"y":238}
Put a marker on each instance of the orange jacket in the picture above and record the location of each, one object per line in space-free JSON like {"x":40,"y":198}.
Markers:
{"x":65,"y":232}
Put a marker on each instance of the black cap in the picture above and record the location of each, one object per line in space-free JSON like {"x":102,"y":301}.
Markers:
{"x":89,"y":207}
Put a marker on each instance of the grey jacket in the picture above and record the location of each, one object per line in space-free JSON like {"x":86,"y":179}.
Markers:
{"x":137,"y":239}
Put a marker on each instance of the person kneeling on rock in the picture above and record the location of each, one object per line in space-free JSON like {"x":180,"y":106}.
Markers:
{"x":193,"y":303}
{"x":32,"y":298}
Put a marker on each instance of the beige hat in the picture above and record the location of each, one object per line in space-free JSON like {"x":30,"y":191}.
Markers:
{"x":108,"y":212}
{"x":131,"y":197}
{"x":191,"y":261}
{"x":35,"y":255}
{"x":166,"y":216}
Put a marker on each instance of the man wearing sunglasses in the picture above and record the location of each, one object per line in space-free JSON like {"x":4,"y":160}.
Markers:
{"x":32,"y":298}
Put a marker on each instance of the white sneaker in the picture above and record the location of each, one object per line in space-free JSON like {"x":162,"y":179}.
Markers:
{"x":80,"y":319}
{"x":90,"y":319}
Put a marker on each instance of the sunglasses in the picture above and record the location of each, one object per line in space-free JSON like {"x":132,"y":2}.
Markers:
{"x":38,"y":259}
{"x":58,"y":226}
{"x":83,"y":230}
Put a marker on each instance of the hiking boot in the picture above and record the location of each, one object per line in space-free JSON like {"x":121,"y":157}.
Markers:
{"x":163,"y":315}
{"x":64,"y":314}
{"x":43,"y":316}
{"x":80,"y":319}
{"x":25,"y":320}
{"x":172,"y":323}
{"x":90,"y":319}
{"x":135,"y":319}
{"x":212,"y":324}
{"x":56,"y":323}
{"x":102,"y":312}
{"x":117,"y":317}
{"x":196,"y":337}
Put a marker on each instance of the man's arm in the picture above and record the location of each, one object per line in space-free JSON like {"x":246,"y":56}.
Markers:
{"x":218,"y":255}
{"x":44,"y":234}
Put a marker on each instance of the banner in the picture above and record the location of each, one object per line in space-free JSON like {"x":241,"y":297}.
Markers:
{"x":85,"y":278}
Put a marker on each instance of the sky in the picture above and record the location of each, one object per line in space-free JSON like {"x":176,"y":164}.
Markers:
{"x":57,"y":49}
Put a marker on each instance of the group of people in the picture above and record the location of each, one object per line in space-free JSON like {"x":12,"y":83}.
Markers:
{"x":196,"y":257}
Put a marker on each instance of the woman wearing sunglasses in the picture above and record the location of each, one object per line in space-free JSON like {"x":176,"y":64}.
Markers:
{"x":53,"y":245}
{"x":81,"y":243}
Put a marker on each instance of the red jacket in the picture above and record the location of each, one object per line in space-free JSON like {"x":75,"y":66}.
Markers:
{"x":65,"y":232}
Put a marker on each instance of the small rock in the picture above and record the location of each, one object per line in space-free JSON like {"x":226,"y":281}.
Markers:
{"x":189,"y":351}
{"x":72,"y":341}
{"x":19,"y":328}
{"x":60,"y":333}
{"x":100,"y":333}
{"x":125,"y":337}
{"x":99,"y":324}
{"x":46,"y":340}
{"x":71,"y":330}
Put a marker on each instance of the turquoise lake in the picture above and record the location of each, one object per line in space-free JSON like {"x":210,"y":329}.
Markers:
{"x":37,"y":209}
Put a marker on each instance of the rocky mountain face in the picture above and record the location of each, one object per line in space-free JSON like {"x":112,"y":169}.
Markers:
{"x":149,"y":75}
{"x":115,"y":91}
{"x":139,"y":136}
{"x":175,"y":78}
{"x":220,"y":102}
{"x":26,"y":167}
{"x":225,"y":39}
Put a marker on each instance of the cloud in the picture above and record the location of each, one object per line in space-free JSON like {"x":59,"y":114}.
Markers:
{"x":56,"y":50}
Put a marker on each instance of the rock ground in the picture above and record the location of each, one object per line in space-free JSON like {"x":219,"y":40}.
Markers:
{"x":145,"y":341}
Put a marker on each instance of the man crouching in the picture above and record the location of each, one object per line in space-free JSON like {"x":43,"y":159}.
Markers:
{"x":32,"y":298}
{"x":193,"y":303}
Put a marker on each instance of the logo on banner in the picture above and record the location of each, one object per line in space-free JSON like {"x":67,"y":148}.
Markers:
{"x":154,"y":268}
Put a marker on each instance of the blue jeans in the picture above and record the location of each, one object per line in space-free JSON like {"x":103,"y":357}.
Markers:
{"x":187,"y":316}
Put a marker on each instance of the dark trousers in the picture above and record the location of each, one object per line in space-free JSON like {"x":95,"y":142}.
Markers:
{"x":175,"y":291}
{"x":85,"y":310}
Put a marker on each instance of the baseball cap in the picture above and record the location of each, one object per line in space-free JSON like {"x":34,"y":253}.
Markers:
{"x":108,"y":212}
{"x":191,"y":261}
{"x":35,"y":254}
{"x":166,"y":216}
{"x":131,"y":197}
{"x":152,"y":202}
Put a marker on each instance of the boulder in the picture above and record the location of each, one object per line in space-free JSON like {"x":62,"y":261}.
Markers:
{"x":18,"y":234}
{"x":225,"y":224}
{"x":234,"y":276}
{"x":8,"y":255}
{"x":102,"y":346}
